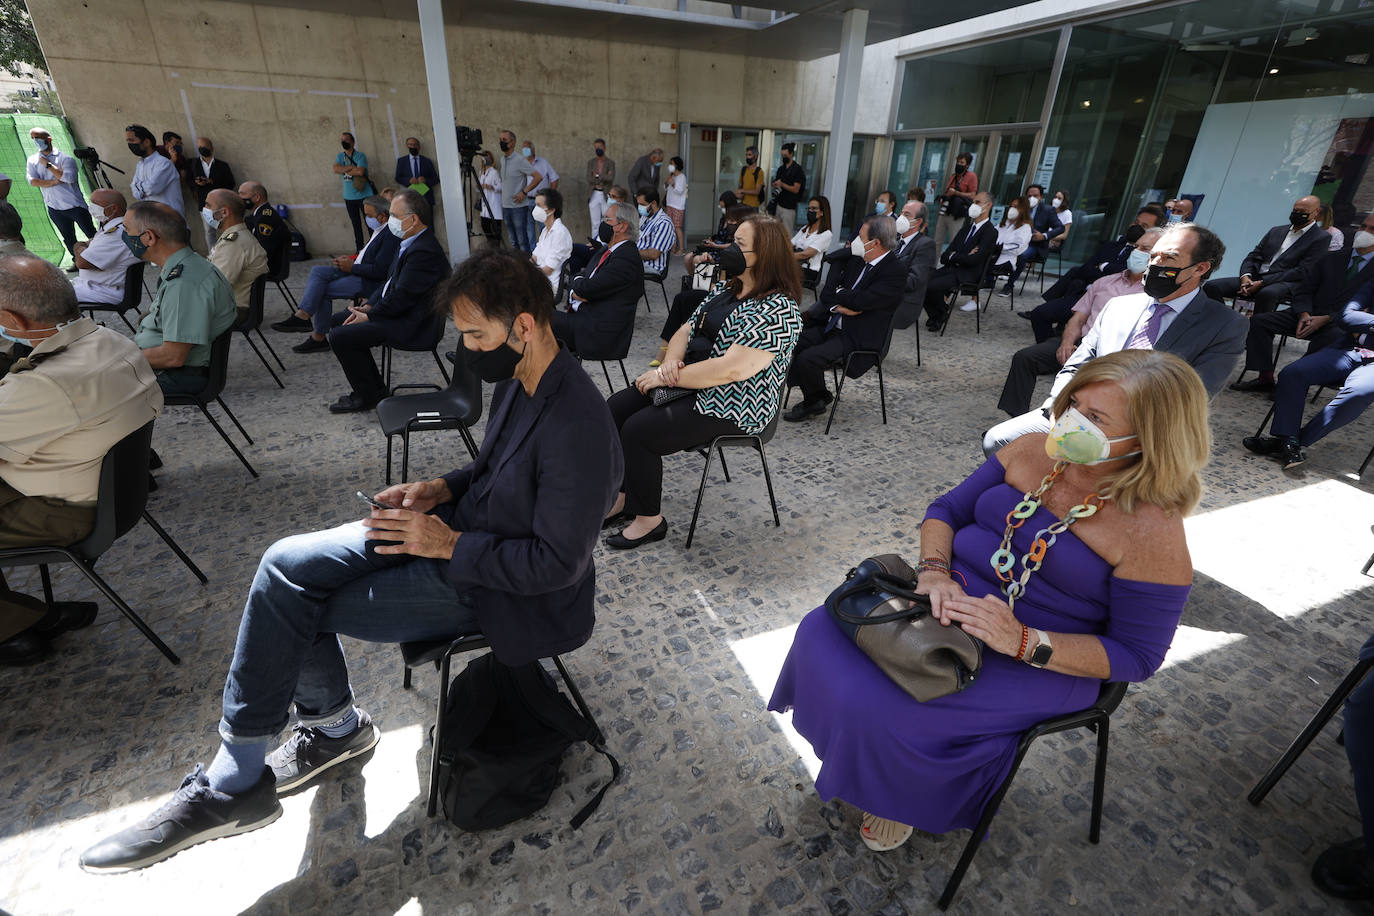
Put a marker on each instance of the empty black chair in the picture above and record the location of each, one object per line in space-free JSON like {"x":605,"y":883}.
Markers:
{"x":133,"y":295}
{"x":718,"y":445}
{"x":651,"y":276}
{"x":214,"y":387}
{"x":972,"y":290}
{"x":279,"y":277}
{"x":252,"y":321}
{"x":458,"y":406}
{"x":429,"y":341}
{"x":1096,"y":717}
{"x":441,"y":652}
{"x":1035,"y":262}
{"x":123,"y":495}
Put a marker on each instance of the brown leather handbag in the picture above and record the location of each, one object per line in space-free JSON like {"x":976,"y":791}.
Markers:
{"x":878,"y":608}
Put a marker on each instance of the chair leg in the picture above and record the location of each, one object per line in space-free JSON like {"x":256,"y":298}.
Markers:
{"x":979,"y":832}
{"x":1265,"y":421}
{"x":125,"y":318}
{"x":701,"y":489}
{"x":720,"y":450}
{"x":469,"y":442}
{"x":1360,"y":472}
{"x":388,"y":460}
{"x":265,"y":364}
{"x":176,"y":548}
{"x":882,"y":391}
{"x":623,"y":374}
{"x":1314,"y":725}
{"x":230,"y":414}
{"x":443,"y":370}
{"x":609,"y":386}
{"x":1099,"y":779}
{"x":46,"y":576}
{"x":834,"y":405}
{"x":225,"y":436}
{"x":128,"y":612}
{"x":268,"y":345}
{"x":917,"y":326}
{"x":768,"y":479}
{"x":438,"y":737}
{"x":405,"y":455}
{"x":405,"y":678}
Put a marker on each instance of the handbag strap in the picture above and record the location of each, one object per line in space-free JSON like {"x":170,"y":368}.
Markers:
{"x":899,"y":587}
{"x":708,"y":326}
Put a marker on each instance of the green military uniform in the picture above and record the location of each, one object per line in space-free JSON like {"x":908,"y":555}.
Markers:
{"x":194,"y":304}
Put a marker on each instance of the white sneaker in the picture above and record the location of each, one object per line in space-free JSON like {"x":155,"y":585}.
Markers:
{"x":969,"y":306}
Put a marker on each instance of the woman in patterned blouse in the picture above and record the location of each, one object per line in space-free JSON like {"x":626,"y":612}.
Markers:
{"x":734,"y":353}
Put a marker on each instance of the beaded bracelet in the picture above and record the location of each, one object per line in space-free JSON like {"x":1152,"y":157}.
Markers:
{"x":1025,"y":641}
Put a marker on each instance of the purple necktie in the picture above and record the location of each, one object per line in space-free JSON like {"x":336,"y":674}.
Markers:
{"x":1145,"y":336}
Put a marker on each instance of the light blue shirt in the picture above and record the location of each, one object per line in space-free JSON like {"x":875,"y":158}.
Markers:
{"x":65,"y":195}
{"x":155,"y":178}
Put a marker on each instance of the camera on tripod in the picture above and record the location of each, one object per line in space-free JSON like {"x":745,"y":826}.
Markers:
{"x":86,"y":154}
{"x":469,"y":141}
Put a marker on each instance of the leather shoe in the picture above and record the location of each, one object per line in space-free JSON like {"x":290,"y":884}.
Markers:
{"x":805,"y":411}
{"x":292,"y":324}
{"x":310,"y":345}
{"x":1026,"y":315}
{"x":619,"y":518}
{"x":1263,"y":445}
{"x":1292,"y":455}
{"x":620,"y":542}
{"x":351,"y":403}
{"x":1255,"y":384}
{"x":26,"y":648}
{"x":64,"y":616}
{"x":1345,"y":871}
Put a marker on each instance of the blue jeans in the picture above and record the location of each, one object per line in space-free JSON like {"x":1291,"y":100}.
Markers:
{"x":324,"y":284}
{"x":520,"y":226}
{"x":66,"y":222}
{"x":1325,"y":367}
{"x":309,"y":589}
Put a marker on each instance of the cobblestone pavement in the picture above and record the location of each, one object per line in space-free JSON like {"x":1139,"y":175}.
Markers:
{"x":716,"y":811}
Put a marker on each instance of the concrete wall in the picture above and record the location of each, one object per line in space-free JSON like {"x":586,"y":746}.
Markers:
{"x":125,"y":61}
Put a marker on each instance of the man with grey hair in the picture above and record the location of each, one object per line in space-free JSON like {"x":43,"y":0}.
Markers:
{"x":604,"y":296}
{"x":401,"y":313}
{"x":644,"y":173}
{"x":916,"y":249}
{"x":194,"y":303}
{"x":55,"y":428}
{"x":344,"y":277}
{"x":57,"y":176}
{"x":856,"y":315}
{"x":103,"y":261}
{"x":236,"y":254}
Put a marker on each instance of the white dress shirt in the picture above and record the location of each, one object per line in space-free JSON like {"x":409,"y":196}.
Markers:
{"x":552,"y":250}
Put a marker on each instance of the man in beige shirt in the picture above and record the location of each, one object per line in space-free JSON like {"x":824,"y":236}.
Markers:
{"x":237,"y":253}
{"x":62,"y":407}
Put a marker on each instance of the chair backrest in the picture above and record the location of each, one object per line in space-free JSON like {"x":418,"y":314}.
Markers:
{"x":766,"y":435}
{"x":466,"y":382}
{"x":1113,"y":692}
{"x":133,"y":287}
{"x":218,"y":374}
{"x":256,"y":294}
{"x":283,"y":271}
{"x":123,"y":491}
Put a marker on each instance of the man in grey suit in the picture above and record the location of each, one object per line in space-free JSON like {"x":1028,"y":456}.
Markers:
{"x":1173,"y":314}
{"x":1274,"y":271}
{"x":918,"y":254}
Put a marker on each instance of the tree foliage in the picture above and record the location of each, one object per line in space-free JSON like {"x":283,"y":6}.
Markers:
{"x":18,"y":41}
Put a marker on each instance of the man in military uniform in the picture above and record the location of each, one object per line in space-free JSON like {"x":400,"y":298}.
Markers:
{"x":55,"y":428}
{"x":194,"y":304}
{"x":103,"y":261}
{"x":236,"y":253}
{"x":267,"y":227}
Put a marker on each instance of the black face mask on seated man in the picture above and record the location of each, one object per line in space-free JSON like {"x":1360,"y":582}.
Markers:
{"x":497,"y":365}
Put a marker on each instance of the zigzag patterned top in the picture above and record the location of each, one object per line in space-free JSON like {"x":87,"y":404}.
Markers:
{"x":773,"y":324}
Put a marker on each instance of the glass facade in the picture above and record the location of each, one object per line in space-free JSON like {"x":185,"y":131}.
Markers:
{"x":1242,"y":105}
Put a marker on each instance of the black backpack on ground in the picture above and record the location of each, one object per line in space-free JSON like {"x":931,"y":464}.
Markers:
{"x":505,"y":733}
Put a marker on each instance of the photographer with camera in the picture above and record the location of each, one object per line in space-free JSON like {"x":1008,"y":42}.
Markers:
{"x":788,"y":183}
{"x":954,"y":203}
{"x":57,"y":175}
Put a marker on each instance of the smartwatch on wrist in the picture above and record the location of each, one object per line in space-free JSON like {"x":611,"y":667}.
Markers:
{"x":1042,"y":653}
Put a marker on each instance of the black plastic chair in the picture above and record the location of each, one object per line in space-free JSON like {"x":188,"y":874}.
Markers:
{"x":122,"y":501}
{"x":428,"y":342}
{"x":458,"y":406}
{"x":1328,"y":709}
{"x":441,"y":652}
{"x":1278,"y":348}
{"x":651,"y":276}
{"x":133,"y":296}
{"x":252,"y":321}
{"x":718,"y":445}
{"x":972,"y":290}
{"x":215,"y":380}
{"x":279,"y":277}
{"x":1097,"y":718}
{"x":1035,"y":263}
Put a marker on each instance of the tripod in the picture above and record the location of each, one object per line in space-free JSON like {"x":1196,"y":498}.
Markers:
{"x":97,"y":174}
{"x":472,"y":190}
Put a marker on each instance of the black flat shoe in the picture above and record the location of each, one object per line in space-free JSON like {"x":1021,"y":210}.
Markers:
{"x":1263,"y":445}
{"x":64,"y":616}
{"x":310,"y":345}
{"x":618,"y":518}
{"x":1253,"y":385}
{"x":26,"y":648}
{"x":1345,"y":871}
{"x":620,"y":542}
{"x":351,"y":403}
{"x":292,"y":324}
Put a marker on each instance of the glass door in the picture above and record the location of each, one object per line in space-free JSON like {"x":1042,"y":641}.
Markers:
{"x":900,"y":175}
{"x":730,"y":158}
{"x":1011,"y":169}
{"x":810,"y":155}
{"x":703,"y":212}
{"x":856,"y":197}
{"x":934,"y":167}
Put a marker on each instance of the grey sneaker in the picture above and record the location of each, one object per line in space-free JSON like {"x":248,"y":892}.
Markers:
{"x":194,"y":814}
{"x":308,"y":752}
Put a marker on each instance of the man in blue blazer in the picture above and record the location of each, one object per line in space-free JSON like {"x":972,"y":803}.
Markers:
{"x":399,"y":312}
{"x":344,"y":277}
{"x":1045,"y":225}
{"x":415,"y":172}
{"x":1349,"y":363}
{"x":502,"y":547}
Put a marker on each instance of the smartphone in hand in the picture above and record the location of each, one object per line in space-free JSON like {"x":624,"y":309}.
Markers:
{"x":374,"y":503}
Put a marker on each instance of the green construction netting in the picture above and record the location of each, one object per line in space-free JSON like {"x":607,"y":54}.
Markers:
{"x":40,"y":236}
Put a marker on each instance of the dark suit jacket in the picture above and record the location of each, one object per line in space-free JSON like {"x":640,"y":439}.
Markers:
{"x":918,"y":254}
{"x":221,"y":176}
{"x":643,"y":174}
{"x":427,"y":171}
{"x":1324,"y":289}
{"x":271,"y":232}
{"x":1045,"y":220}
{"x":967,"y":255}
{"x":875,"y":299}
{"x":606,"y":320}
{"x":414,"y":274}
{"x":524,"y":560}
{"x":1289,"y":266}
{"x":375,"y":264}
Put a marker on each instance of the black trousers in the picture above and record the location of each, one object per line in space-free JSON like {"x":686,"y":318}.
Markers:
{"x":66,"y":222}
{"x":1074,"y":282}
{"x":355,"y":216}
{"x":1048,"y":318}
{"x":352,"y":345}
{"x":937,"y":288}
{"x":816,"y":352}
{"x":647,"y":433}
{"x":1270,"y":296}
{"x":1259,"y":341}
{"x":684,"y":304}
{"x":1027,"y":364}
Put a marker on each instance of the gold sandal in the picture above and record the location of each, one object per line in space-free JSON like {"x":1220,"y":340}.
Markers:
{"x":655,"y":363}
